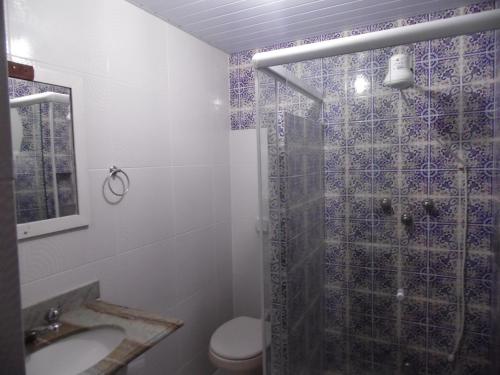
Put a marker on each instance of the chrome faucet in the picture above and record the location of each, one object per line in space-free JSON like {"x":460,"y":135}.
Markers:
{"x":53,"y":325}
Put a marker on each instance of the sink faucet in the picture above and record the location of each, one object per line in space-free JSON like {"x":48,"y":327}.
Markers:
{"x":53,"y":325}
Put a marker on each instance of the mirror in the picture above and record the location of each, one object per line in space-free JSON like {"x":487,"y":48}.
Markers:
{"x":42,"y":144}
{"x":49,"y":169}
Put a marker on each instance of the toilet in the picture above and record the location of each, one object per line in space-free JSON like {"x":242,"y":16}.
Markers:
{"x":236,"y":347}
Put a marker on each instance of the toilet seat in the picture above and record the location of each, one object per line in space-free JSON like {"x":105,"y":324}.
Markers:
{"x":234,"y":365}
{"x":237,"y":344}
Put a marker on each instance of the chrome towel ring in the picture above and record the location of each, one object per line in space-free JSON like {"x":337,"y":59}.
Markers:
{"x":114,"y":172}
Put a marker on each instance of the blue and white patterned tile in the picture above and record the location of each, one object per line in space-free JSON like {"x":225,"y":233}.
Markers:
{"x":385,"y":183}
{"x":359,"y":207}
{"x":359,"y":183}
{"x":385,"y":157}
{"x":414,"y":157}
{"x":414,"y":335}
{"x":247,"y":119}
{"x":384,"y":306}
{"x":479,"y":67}
{"x":445,"y":100}
{"x":360,"y":108}
{"x":480,"y":238}
{"x":479,"y":6}
{"x":335,"y":207}
{"x":443,"y":263}
{"x":477,"y":125}
{"x":335,"y":134}
{"x":359,"y":301}
{"x":415,"y":236}
{"x":414,"y":259}
{"x":359,"y":231}
{"x":385,"y":233}
{"x":415,"y":103}
{"x":479,"y":320}
{"x":335,"y":159}
{"x":479,"y":266}
{"x":335,"y":299}
{"x":414,"y":284}
{"x":386,"y":106}
{"x":414,"y":182}
{"x":385,"y":131}
{"x":445,"y":72}
{"x":480,"y":211}
{"x":360,"y":325}
{"x":359,"y":133}
{"x":478,"y":97}
{"x":247,"y":96}
{"x":360,"y":255}
{"x":234,"y":78}
{"x":335,"y":230}
{"x":444,"y":236}
{"x":445,"y":182}
{"x":478,"y":292}
{"x":334,"y":111}
{"x":414,"y":310}
{"x":442,"y":289}
{"x":336,"y":252}
{"x":384,"y":281}
{"x":360,"y":279}
{"x":480,"y":182}
{"x":335,"y":183}
{"x":446,"y":128}
{"x":479,"y":42}
{"x":414,"y":130}
{"x":359,"y":157}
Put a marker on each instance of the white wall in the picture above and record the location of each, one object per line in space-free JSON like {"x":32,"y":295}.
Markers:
{"x":156,"y":104}
{"x":247,"y":260}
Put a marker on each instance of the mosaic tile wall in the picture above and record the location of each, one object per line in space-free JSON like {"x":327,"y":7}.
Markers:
{"x":33,"y":157}
{"x":381,"y":144}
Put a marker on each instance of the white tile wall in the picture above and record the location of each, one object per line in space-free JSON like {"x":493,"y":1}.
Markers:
{"x":247,"y":259}
{"x":156,"y":104}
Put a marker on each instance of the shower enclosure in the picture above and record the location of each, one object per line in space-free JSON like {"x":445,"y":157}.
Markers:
{"x":379,"y":209}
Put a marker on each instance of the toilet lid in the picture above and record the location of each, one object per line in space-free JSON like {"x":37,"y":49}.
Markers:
{"x":238,"y":339}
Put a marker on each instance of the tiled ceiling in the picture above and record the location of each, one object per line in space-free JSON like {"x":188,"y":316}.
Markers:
{"x":235,"y":25}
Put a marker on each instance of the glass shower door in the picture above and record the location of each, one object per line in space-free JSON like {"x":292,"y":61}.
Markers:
{"x":292,"y":208}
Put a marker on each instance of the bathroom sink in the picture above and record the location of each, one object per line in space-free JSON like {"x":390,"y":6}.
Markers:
{"x":74,"y":354}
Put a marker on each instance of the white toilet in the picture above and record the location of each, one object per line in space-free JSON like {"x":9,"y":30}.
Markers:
{"x":236,"y":347}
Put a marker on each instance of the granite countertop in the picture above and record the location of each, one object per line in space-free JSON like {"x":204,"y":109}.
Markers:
{"x":142,"y":331}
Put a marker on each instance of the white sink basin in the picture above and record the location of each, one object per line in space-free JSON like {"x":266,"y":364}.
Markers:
{"x":74,"y":354}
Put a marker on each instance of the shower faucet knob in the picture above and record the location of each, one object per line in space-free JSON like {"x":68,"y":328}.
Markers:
{"x":386,"y":205}
{"x":406,"y":219}
{"x":428,"y":205}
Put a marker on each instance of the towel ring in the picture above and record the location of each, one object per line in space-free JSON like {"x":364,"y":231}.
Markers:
{"x":113,"y":171}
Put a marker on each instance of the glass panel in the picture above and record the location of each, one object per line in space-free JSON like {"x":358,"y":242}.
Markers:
{"x":292,"y":193}
{"x":396,"y":207}
{"x":411,"y":207}
{"x":42,"y":138}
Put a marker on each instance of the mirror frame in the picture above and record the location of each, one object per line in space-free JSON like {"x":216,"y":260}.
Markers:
{"x":48,"y":226}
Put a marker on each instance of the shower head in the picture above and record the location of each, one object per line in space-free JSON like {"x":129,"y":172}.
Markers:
{"x":400,"y":72}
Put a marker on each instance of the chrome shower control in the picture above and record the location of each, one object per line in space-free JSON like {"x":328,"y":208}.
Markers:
{"x":400,"y":295}
{"x":407,"y":219}
{"x":386,"y":205}
{"x":428,"y":205}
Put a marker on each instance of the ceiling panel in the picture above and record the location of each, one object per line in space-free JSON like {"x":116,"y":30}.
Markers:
{"x":235,"y":25}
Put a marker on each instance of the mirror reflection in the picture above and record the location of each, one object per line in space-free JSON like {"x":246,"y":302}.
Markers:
{"x":42,"y":144}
